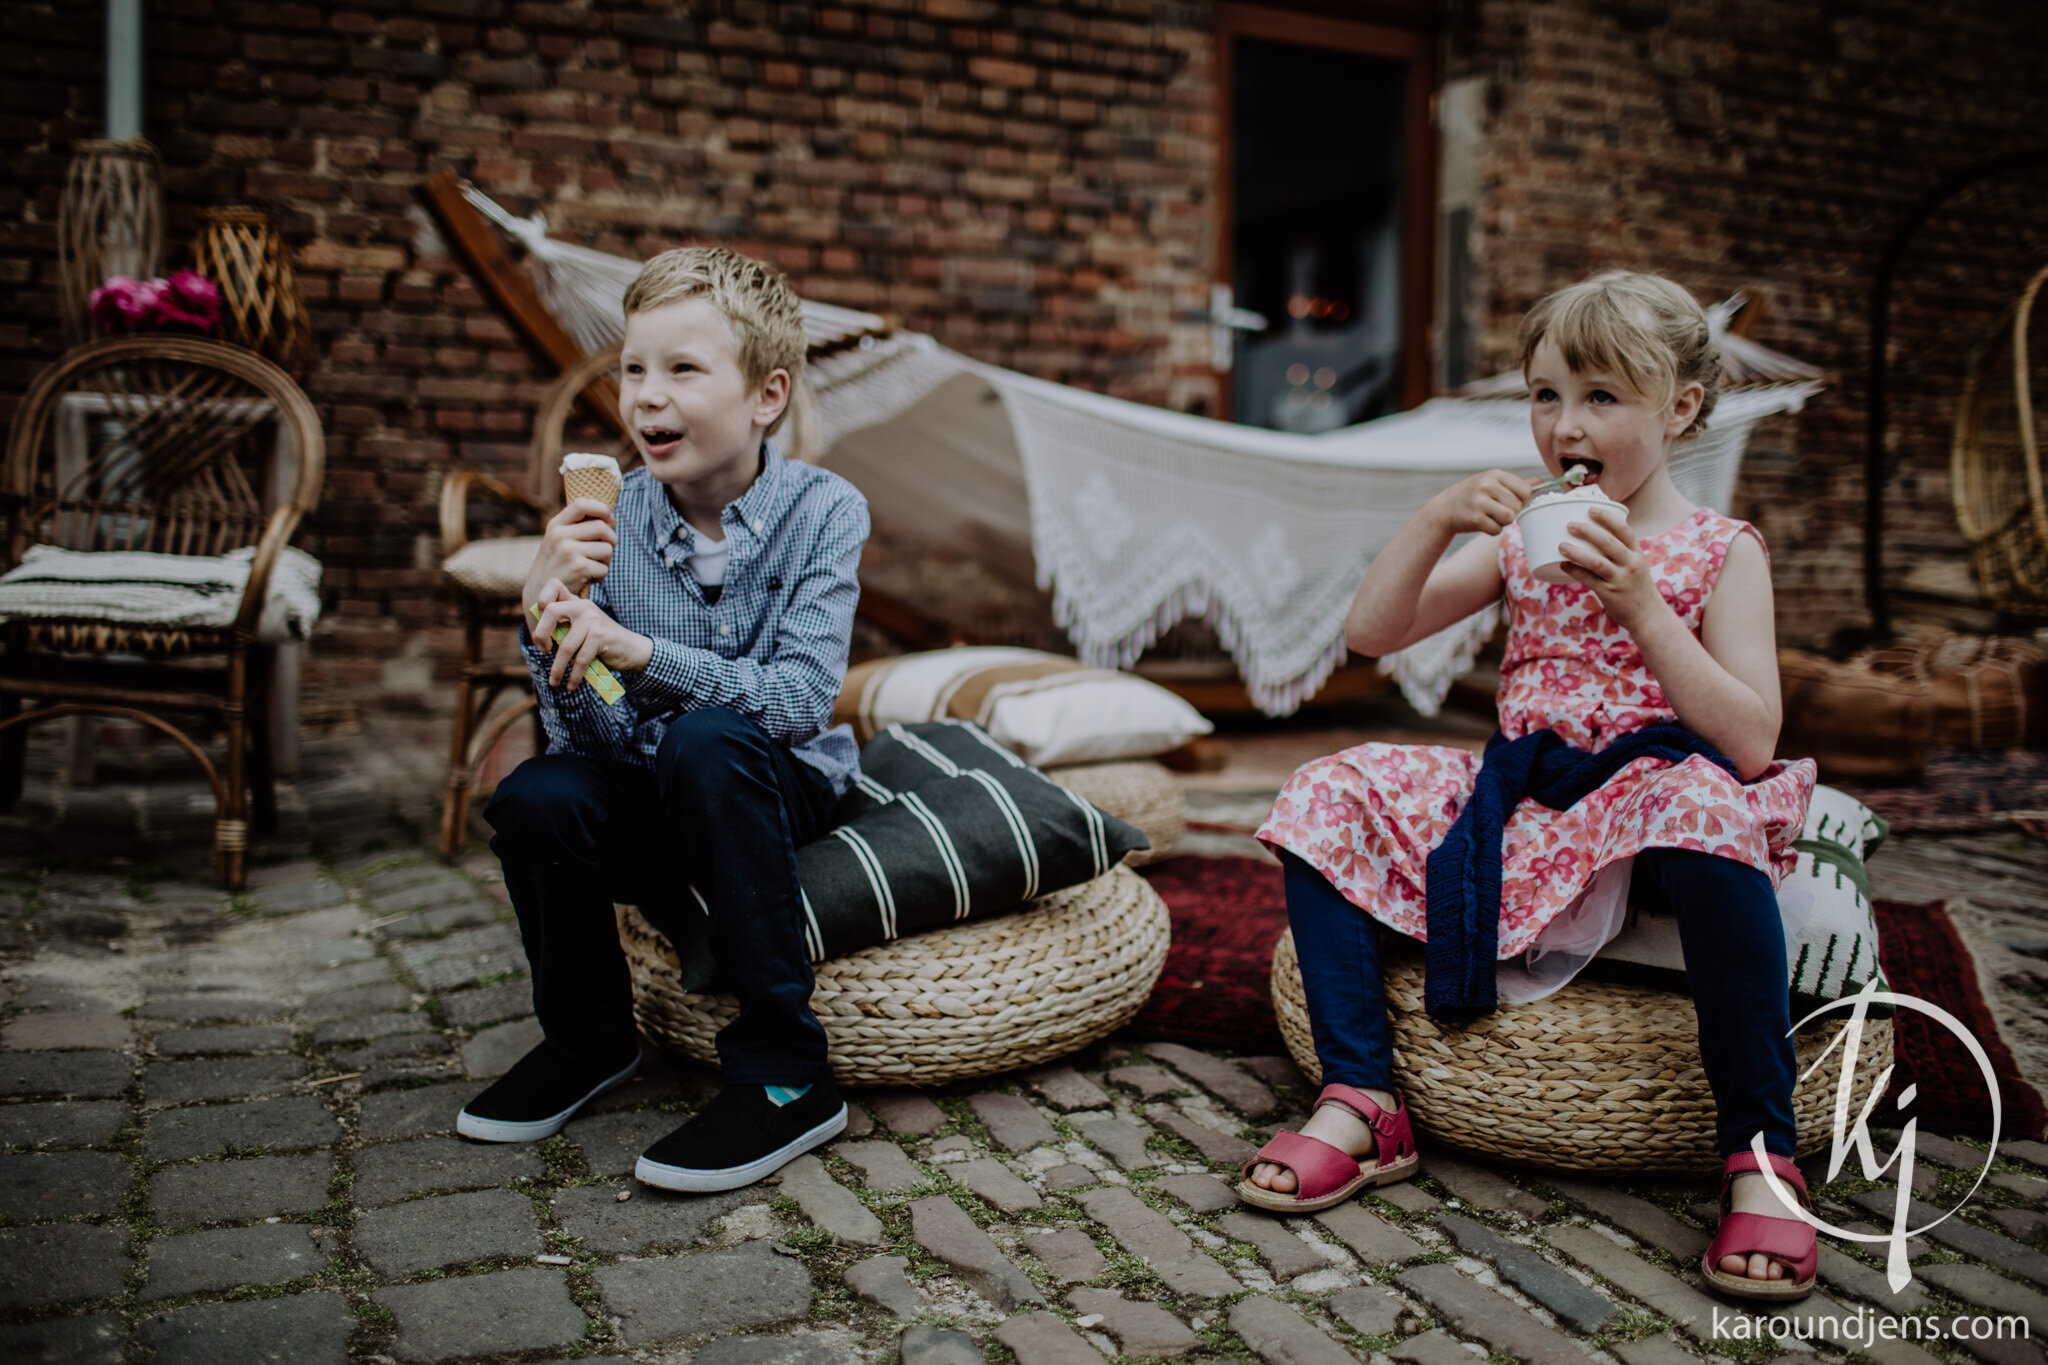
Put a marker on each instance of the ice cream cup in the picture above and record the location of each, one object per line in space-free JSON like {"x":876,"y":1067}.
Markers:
{"x":1544,"y":522}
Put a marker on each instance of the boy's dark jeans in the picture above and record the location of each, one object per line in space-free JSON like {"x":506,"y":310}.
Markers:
{"x":1734,"y":942}
{"x":724,"y":811}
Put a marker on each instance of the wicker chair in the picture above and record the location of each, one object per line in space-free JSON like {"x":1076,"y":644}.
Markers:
{"x":487,"y":573}
{"x":1597,"y":1077}
{"x":197,"y":439}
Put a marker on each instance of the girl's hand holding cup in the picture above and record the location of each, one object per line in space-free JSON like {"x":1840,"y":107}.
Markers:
{"x":1601,"y":552}
{"x":1486,"y":503}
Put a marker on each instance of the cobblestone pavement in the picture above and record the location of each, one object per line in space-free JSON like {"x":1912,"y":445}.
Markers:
{"x":226,"y":1127}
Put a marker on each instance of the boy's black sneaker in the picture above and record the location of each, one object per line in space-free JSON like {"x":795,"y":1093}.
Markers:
{"x":533,"y":1100}
{"x":741,"y":1136}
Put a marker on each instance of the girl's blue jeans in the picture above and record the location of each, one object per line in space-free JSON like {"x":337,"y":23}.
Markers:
{"x":1734,"y":941}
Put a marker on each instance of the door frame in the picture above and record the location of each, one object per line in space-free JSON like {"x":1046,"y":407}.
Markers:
{"x":1415,"y":47}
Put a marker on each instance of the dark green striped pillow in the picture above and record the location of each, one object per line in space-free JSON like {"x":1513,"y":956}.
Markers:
{"x":943,"y":825}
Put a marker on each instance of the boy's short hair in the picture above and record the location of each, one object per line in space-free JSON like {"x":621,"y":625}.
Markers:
{"x":1643,"y":328}
{"x":762,"y":311}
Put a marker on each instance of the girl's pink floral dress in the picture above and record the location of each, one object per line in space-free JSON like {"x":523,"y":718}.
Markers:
{"x":1368,"y":817}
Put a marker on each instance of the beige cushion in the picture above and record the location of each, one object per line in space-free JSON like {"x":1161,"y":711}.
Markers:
{"x":1046,"y":708}
{"x":493,"y":568}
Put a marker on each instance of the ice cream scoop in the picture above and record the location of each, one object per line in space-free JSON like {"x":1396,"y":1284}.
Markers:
{"x":591,"y":476}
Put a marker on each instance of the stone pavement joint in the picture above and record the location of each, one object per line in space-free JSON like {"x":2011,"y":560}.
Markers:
{"x":1242,"y":1092}
{"x":1141,"y":1329}
{"x":1282,"y":1336}
{"x":884,"y":1282}
{"x":1155,"y":1240}
{"x":1499,"y":1321}
{"x":943,"y":1228}
{"x":1571,"y":1301}
{"x":512,"y":1310}
{"x":1042,"y":1339}
{"x":830,"y":1204}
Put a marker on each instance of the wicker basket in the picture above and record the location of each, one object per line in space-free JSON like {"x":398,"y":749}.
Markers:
{"x":1995,"y":461}
{"x":261,"y":307}
{"x":1597,"y":1077}
{"x":976,"y":999}
{"x":1140,"y":793}
{"x":110,"y":221}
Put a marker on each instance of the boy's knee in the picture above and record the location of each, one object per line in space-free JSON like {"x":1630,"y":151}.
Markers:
{"x":539,"y":802}
{"x":707,"y":748}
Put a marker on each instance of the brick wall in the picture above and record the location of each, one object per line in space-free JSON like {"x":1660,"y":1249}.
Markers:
{"x":1774,"y":147}
{"x":1030,"y":184}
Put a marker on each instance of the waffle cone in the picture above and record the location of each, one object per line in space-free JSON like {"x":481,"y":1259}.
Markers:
{"x":591,"y":483}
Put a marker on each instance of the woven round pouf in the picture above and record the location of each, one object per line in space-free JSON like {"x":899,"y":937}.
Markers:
{"x":1138,"y":792}
{"x":973,"y":999}
{"x":1597,"y":1077}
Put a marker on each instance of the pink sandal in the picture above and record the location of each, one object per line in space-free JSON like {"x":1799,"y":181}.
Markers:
{"x":1789,"y":1241}
{"x":1325,"y":1175}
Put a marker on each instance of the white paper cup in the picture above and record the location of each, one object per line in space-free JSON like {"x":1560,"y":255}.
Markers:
{"x":1544,"y":522}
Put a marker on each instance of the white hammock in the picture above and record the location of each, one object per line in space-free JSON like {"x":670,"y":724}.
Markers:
{"x":1137,"y":517}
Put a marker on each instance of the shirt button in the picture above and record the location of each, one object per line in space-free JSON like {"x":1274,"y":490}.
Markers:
{"x":725,"y":632}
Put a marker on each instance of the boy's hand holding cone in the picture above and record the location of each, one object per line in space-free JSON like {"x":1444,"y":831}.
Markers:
{"x":596,"y":477}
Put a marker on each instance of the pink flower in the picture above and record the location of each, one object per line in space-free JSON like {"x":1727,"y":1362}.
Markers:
{"x":186,"y":302}
{"x":189,"y":299}
{"x":117,"y":305}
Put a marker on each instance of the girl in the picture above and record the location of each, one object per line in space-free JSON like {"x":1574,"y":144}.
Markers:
{"x":1666,"y":624}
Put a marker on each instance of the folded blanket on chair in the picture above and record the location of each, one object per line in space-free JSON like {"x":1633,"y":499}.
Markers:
{"x":1464,"y":870}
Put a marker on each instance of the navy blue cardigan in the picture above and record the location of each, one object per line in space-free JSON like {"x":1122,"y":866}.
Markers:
{"x":1464,"y":870}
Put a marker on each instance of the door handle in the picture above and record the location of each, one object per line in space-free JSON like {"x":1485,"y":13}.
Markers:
{"x":1225,"y":318}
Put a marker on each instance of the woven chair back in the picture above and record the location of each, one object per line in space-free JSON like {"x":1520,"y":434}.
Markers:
{"x":1995,"y":461}
{"x":177,"y":445}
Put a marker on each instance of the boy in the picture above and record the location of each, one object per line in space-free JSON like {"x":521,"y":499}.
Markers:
{"x":722,"y":595}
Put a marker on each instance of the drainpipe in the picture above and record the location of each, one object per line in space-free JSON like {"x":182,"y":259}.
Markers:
{"x":124,"y":69}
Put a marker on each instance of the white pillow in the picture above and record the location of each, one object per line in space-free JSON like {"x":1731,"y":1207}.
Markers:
{"x":1830,"y":927}
{"x":1046,"y":708}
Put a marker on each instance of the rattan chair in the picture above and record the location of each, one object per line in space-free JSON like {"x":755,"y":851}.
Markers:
{"x":1596,"y":1077}
{"x":177,"y":445}
{"x":486,"y":574}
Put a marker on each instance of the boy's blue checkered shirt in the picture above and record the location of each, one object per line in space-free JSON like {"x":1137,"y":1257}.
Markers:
{"x":773,"y":647}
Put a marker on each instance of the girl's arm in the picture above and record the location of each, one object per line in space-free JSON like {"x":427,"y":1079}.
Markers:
{"x":1723,"y":683}
{"x":1411,"y":591}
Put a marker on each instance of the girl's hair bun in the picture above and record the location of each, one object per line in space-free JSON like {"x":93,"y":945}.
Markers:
{"x":1644,"y":328}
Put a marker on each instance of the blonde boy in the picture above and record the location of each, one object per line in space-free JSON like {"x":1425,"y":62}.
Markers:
{"x":722,"y":594}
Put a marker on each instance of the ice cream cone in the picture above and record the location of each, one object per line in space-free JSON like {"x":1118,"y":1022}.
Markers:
{"x":591,"y":476}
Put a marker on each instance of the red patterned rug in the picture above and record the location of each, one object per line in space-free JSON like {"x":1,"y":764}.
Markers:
{"x":1228,"y":912}
{"x":1924,"y":956}
{"x":1227,"y":915}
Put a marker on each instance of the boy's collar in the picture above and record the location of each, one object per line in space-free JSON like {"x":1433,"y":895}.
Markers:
{"x":750,"y":507}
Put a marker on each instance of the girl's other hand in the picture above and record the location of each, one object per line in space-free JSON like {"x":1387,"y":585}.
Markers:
{"x":1601,"y":552}
{"x":1486,"y":503}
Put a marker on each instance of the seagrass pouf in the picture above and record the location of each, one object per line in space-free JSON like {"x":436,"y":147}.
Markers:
{"x":972,"y":999}
{"x":1596,"y":1077}
{"x":1139,"y":792}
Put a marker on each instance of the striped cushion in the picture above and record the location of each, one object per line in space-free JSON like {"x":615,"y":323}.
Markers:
{"x":944,"y":824}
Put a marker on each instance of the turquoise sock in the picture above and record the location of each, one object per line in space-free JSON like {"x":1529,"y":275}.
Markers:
{"x":779,"y":1095}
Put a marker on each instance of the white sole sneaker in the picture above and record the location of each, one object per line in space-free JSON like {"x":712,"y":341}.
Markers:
{"x":533,"y":1130}
{"x":735,"y":1177}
